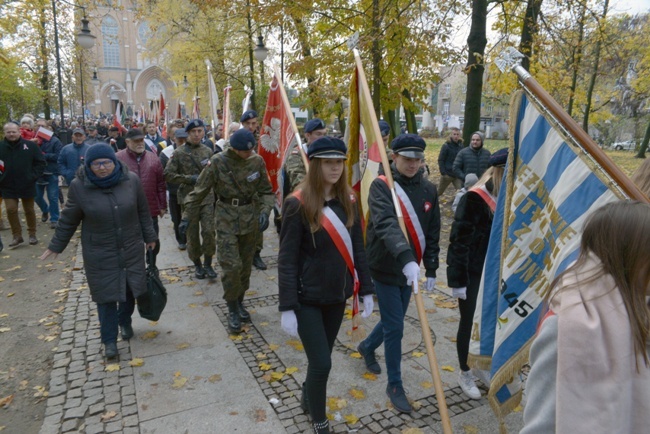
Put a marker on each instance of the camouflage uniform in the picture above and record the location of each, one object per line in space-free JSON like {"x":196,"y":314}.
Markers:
{"x":243,"y":190}
{"x":183,"y":165}
{"x":295,"y":168}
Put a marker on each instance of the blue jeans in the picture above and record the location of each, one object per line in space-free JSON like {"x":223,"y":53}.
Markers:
{"x":393,"y":303}
{"x":52,"y":188}
{"x":114,"y":314}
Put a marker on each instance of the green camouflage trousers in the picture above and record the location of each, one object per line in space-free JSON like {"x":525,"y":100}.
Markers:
{"x":196,"y":249}
{"x":235,"y":256}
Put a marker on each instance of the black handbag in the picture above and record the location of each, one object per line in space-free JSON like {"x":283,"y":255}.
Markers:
{"x":153,"y":302}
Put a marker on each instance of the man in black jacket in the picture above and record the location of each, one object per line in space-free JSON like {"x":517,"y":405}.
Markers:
{"x":395,"y":259}
{"x":446,"y":159}
{"x":473,"y":159}
{"x":23,"y":165}
{"x":49,"y":182}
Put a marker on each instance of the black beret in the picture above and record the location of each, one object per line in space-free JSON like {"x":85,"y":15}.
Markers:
{"x":194,"y":123}
{"x":314,"y":124}
{"x":327,"y":147}
{"x":499,"y":158}
{"x":242,"y":140}
{"x":408,"y":145}
{"x":248,"y":114}
{"x":384,"y":128}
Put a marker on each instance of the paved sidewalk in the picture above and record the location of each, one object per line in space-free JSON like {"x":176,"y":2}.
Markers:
{"x":191,"y":377}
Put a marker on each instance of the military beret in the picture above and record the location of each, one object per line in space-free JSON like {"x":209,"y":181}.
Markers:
{"x":327,"y":147}
{"x":384,"y":128}
{"x":248,"y":114}
{"x":194,"y":123}
{"x":242,"y":140}
{"x":499,"y":158}
{"x":408,"y":145}
{"x":314,"y":124}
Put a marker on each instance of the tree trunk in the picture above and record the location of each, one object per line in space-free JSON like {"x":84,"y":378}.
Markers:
{"x":529,"y":31}
{"x":577,"y":57}
{"x":594,"y":74}
{"x":476,"y":42}
{"x":376,"y":58}
{"x":42,"y":61}
{"x":392,"y":119}
{"x":644,"y":145}
{"x":411,"y":123}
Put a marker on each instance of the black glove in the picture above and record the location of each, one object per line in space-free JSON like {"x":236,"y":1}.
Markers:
{"x":193,"y":179}
{"x":182,"y":226}
{"x":263,"y":222}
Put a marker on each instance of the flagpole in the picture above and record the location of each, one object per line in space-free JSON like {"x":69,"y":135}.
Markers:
{"x":424,"y":322}
{"x":510,"y":59}
{"x":226,"y":113}
{"x":287,"y":106}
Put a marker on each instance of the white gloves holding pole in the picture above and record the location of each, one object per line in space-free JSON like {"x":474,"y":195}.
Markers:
{"x":289,"y":322}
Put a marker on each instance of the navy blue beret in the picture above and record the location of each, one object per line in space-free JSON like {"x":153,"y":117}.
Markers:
{"x":384,"y":128}
{"x":314,"y":124}
{"x":242,"y":140}
{"x":408,"y":145}
{"x":194,"y":123}
{"x":499,"y":158}
{"x":248,"y":114}
{"x":327,"y":147}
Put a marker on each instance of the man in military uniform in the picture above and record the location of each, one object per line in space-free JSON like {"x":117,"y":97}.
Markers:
{"x":244,"y":200}
{"x":249,"y":122}
{"x":184,"y":167}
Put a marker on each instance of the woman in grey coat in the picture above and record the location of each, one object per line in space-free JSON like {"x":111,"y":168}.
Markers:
{"x":112,"y":207}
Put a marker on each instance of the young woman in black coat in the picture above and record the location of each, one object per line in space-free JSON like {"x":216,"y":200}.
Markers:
{"x":314,"y":278}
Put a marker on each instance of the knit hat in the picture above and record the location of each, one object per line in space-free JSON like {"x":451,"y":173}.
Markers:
{"x":242,"y":140}
{"x":470,"y":179}
{"x":408,"y":145}
{"x":481,"y":135}
{"x":99,"y":150}
{"x":327,"y":147}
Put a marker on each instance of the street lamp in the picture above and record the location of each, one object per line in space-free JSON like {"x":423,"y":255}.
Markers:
{"x":260,"y":52}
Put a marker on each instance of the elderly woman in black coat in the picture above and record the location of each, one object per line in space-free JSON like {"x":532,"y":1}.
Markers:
{"x":112,"y":207}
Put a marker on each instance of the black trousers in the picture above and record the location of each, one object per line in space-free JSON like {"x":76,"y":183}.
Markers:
{"x":156,"y":249}
{"x":318,"y":327}
{"x":176,"y":215}
{"x":466,"y":308}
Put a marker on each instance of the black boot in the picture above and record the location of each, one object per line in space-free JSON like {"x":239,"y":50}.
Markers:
{"x":322,"y":427}
{"x":244,"y":315}
{"x":199,"y":272}
{"x":207,"y":266}
{"x":304,"y":401}
{"x":1,"y":245}
{"x":257,"y":262}
{"x":110,"y":350}
{"x":234,"y":324}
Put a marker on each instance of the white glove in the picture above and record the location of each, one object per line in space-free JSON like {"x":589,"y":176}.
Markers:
{"x":459,"y":293}
{"x":431,"y":283}
{"x":368,"y":305}
{"x":289,"y":322}
{"x":412,"y":273}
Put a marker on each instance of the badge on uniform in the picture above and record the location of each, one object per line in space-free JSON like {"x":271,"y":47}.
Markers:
{"x":205,"y":162}
{"x":427,"y":206}
{"x":253,"y":177}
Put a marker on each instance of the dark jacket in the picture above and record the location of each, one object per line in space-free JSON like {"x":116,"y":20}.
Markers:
{"x":468,"y":239}
{"x":150,"y":171}
{"x":165,"y":156}
{"x":388,"y":251}
{"x":470,"y":160}
{"x":447,"y":157}
{"x":70,"y":158}
{"x":310,"y":268}
{"x":24,"y":164}
{"x":115,"y":225}
{"x":51,"y":150}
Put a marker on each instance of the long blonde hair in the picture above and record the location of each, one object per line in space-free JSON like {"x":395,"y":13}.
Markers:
{"x":313,"y":195}
{"x":494,"y":175}
{"x":641,"y":177}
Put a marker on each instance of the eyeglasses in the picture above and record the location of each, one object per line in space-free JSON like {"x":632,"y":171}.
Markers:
{"x":105,"y":163}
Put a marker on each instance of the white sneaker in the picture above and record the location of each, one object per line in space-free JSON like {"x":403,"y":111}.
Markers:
{"x":466,"y":382}
{"x":483,"y":376}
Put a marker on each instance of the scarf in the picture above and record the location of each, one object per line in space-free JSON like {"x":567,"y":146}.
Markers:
{"x":108,"y":181}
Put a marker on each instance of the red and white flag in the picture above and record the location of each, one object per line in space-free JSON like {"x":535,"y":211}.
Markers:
{"x":163,"y":115}
{"x":44,"y":133}
{"x":117,"y":119}
{"x":196,"y":111}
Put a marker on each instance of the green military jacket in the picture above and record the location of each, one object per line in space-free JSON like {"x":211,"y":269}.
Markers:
{"x":187,"y":161}
{"x":295,"y":168}
{"x":242,"y":189}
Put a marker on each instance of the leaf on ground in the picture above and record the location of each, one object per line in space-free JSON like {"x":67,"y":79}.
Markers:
{"x":153,"y":323}
{"x":416,"y":405}
{"x":370,"y":376}
{"x":452,"y":319}
{"x":417,"y":354}
{"x":40,"y":391}
{"x":273,"y":347}
{"x":448,"y":368}
{"x":264,"y":323}
{"x":23,"y":385}
{"x":137,"y":362}
{"x":190,"y":283}
{"x":431,"y":310}
{"x":192,"y":305}
{"x":170,"y":279}
{"x":277,"y":376}
{"x":177,"y":374}
{"x":179,"y":382}
{"x":17,"y":267}
{"x":150,"y":335}
{"x":451,"y":338}
{"x":267,"y":377}
{"x":426,"y":384}
{"x":58,"y":309}
{"x":198,"y":293}
{"x":4,"y":402}
{"x":233,"y":413}
{"x":214,"y":378}
{"x":357,"y":394}
{"x":251,"y":293}
{"x":4,"y":329}
{"x":296,"y":344}
{"x":20,"y":280}
{"x":351,"y":419}
{"x":470,"y":429}
{"x":412,"y":430}
{"x":290,"y":370}
{"x":112,"y":367}
{"x":264,"y":366}
{"x":260,"y":356}
{"x":235,"y":337}
{"x":108,"y":416}
{"x":452,"y":304}
{"x":260,"y":415}
{"x":182,"y":346}
{"x":348,"y":314}
{"x":356,"y":355}
{"x":335,"y":404}
{"x":4,"y":315}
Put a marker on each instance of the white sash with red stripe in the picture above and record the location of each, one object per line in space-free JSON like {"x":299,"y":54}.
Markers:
{"x":411,"y":220}
{"x":486,"y":196}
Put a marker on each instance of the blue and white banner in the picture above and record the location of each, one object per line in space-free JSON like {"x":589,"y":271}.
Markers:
{"x":551,"y":187}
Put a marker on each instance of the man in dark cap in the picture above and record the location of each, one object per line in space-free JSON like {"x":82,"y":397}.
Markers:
{"x":394,"y":259}
{"x":93,"y":137}
{"x":184,"y":167}
{"x":72,"y":155}
{"x":179,"y":136}
{"x":238,"y":178}
{"x":446,"y":159}
{"x":115,"y":139}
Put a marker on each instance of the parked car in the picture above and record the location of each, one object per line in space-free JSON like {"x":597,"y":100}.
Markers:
{"x":628,"y":145}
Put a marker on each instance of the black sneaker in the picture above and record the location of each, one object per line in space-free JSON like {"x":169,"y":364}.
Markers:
{"x":110,"y":350}
{"x":369,"y":357}
{"x":304,"y":402}
{"x":199,"y":272}
{"x":127,"y":332}
{"x":45,"y":216}
{"x":398,"y":399}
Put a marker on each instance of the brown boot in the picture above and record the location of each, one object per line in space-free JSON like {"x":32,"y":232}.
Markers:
{"x":16,"y":242}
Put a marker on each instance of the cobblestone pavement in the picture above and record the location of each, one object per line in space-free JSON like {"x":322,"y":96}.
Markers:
{"x":185,"y":374}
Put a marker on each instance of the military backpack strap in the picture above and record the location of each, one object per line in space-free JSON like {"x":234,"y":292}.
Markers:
{"x":196,"y":163}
